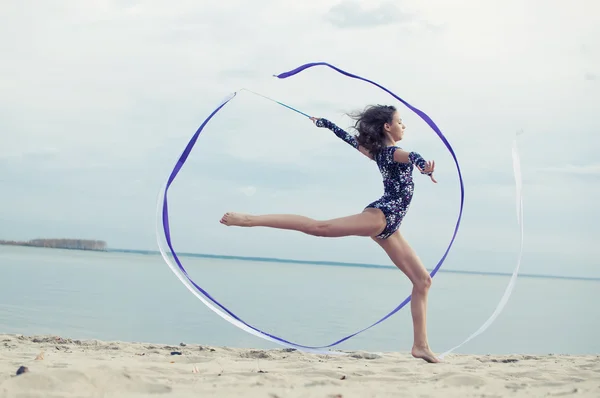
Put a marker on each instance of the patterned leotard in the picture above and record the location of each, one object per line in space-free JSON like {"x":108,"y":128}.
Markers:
{"x":398,"y":183}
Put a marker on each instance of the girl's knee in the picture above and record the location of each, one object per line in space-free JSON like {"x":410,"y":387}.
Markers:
{"x":422,"y":283}
{"x":318,"y":228}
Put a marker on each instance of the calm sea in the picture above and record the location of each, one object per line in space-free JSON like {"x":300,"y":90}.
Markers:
{"x":135,"y":297}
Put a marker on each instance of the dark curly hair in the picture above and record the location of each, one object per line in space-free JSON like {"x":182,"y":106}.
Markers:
{"x":369,"y":124}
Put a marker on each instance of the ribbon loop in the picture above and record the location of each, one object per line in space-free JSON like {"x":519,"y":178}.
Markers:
{"x":220,"y":309}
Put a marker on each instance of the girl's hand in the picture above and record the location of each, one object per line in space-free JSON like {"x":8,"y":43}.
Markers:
{"x":314,"y":119}
{"x":429,"y":168}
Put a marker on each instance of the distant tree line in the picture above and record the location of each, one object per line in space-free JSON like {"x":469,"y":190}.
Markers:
{"x":74,"y":244}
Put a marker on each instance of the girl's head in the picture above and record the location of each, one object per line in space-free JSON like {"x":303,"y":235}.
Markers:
{"x":378,"y":126}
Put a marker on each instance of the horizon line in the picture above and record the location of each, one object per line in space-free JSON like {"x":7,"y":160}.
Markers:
{"x":346,"y":264}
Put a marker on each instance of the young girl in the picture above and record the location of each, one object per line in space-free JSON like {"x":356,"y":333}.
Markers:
{"x":379,"y":128}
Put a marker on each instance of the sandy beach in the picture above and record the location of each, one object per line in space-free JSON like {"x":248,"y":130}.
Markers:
{"x":61,"y":367}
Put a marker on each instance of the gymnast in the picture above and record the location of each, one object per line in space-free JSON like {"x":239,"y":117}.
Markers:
{"x":379,"y":128}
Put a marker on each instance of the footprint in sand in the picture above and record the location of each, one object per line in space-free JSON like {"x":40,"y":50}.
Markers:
{"x":255,"y":354}
{"x":459,"y":379}
{"x":63,"y":381}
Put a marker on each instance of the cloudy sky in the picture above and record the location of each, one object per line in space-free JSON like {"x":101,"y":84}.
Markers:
{"x":98,"y":98}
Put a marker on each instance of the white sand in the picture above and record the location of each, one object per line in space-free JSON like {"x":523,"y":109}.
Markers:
{"x":72,"y":368}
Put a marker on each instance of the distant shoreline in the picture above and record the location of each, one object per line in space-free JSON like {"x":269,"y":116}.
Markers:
{"x":347,"y":264}
{"x":304,"y":262}
{"x":70,"y":244}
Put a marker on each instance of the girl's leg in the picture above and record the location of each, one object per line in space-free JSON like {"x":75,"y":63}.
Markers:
{"x":368,"y":223}
{"x":405,"y":258}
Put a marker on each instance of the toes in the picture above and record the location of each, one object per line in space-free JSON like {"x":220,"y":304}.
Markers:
{"x":225,"y":219}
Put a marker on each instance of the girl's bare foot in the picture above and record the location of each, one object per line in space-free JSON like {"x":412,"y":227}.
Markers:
{"x":236,"y":219}
{"x":425,"y":354}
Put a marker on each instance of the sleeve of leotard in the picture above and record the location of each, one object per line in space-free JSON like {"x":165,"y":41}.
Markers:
{"x":350,"y":140}
{"x":417,"y":160}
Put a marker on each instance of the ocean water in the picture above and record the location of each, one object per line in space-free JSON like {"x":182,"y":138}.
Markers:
{"x":136,"y":297}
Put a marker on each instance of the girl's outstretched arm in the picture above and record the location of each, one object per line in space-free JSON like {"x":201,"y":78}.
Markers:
{"x":425,"y":167}
{"x":342,"y":134}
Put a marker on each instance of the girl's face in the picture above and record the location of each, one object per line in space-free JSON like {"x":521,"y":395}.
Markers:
{"x":396,"y":128}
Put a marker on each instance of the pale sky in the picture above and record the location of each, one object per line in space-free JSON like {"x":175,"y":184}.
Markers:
{"x":98,"y":99}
